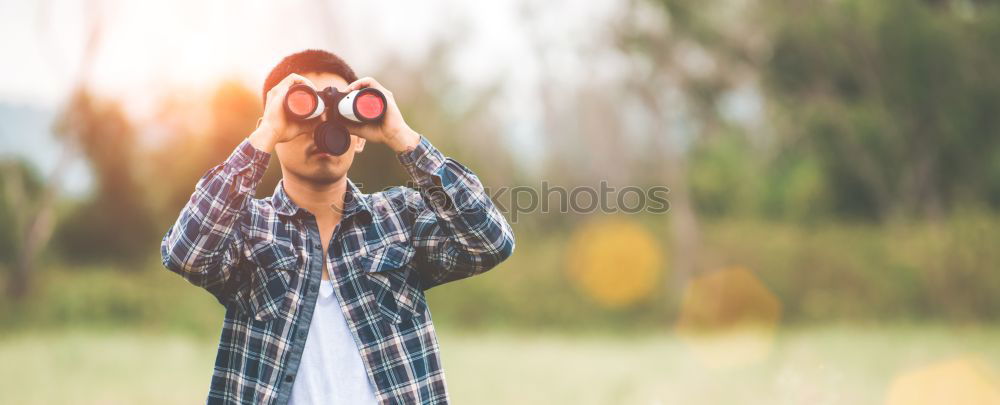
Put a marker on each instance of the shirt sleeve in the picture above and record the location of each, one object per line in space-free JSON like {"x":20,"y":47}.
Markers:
{"x":203,"y":245}
{"x":458,"y":232}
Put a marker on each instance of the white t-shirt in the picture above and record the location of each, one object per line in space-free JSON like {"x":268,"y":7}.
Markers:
{"x":331,"y":371}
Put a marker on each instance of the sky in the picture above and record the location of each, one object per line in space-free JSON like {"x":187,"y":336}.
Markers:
{"x":157,"y":46}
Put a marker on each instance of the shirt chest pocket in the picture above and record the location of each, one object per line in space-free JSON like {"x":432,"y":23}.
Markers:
{"x":393,"y":280}
{"x":268,"y":280}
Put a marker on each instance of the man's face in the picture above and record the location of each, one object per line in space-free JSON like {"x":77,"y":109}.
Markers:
{"x":300,"y":157}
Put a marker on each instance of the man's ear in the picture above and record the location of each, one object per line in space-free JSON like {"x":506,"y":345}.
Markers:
{"x":360,"y":145}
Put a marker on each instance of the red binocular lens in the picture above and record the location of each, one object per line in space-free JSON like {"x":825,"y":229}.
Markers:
{"x":301,"y":103}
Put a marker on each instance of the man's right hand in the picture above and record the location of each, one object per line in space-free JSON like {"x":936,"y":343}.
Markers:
{"x":274,"y":128}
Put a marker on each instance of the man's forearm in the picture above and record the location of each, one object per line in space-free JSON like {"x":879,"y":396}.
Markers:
{"x":403,"y":140}
{"x":466,"y":218}
{"x":207,"y":224}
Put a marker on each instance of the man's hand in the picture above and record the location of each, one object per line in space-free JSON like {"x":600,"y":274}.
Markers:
{"x":393,"y":130}
{"x":274,"y":128}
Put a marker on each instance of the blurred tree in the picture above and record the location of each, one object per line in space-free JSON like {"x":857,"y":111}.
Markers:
{"x":200,"y":131}
{"x":897,"y":100}
{"x":26,"y":228}
{"x":455,"y":118}
{"x":685,"y":56}
{"x":883,"y":109}
{"x":234,"y":112}
{"x":115,"y":223}
{"x":35,"y":221}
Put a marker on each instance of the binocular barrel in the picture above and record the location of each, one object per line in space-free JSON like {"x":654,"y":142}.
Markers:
{"x":303,"y":103}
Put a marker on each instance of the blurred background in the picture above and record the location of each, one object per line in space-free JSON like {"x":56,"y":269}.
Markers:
{"x":833,"y":167}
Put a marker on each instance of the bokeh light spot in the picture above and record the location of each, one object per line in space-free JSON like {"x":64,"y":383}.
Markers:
{"x":958,"y":381}
{"x":728,"y":318}
{"x":616,"y":262}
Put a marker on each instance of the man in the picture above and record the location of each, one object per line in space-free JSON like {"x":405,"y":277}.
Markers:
{"x":324,"y":286}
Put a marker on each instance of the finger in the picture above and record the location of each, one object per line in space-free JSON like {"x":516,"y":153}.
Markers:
{"x":280,"y":90}
{"x":364,"y":82}
{"x":293,"y":79}
{"x":297,"y":78}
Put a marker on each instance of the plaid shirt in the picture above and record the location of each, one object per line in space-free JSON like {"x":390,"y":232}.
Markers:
{"x":262,"y":259}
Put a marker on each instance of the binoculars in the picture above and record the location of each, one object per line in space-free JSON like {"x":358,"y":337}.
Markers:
{"x":364,"y":106}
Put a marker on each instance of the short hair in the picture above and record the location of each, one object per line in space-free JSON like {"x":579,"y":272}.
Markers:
{"x":308,"y":61}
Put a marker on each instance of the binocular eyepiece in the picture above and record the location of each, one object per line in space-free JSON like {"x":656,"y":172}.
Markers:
{"x":366,"y":105}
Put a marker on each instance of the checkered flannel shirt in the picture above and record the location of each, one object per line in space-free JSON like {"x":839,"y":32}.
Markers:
{"x":262,"y":260}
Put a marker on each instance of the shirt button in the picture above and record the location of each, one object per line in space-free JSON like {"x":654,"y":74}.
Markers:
{"x":314,"y":288}
{"x":289,"y":378}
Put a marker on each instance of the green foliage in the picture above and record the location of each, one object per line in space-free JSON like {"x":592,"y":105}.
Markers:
{"x":103,"y":297}
{"x":830,"y":271}
{"x":896,"y":100}
{"x":795,"y":190}
{"x":824,"y":272}
{"x":723,"y":176}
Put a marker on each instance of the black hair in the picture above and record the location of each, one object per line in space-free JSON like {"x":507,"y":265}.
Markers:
{"x":308,"y":61}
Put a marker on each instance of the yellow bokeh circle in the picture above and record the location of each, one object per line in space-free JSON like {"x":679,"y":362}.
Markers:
{"x":616,"y":262}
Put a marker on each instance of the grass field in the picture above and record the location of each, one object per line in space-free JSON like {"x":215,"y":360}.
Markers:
{"x":848,"y":365}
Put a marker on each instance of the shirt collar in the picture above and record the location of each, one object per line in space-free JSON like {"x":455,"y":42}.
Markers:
{"x":354,"y":201}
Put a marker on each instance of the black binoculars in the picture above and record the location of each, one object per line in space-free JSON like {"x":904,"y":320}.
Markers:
{"x":366,"y":105}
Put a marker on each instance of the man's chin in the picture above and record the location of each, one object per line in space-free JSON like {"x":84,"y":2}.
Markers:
{"x":321,"y":173}
{"x":324,"y":175}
